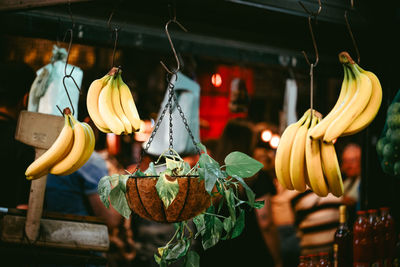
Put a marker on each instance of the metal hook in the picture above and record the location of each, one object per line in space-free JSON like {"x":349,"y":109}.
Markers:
{"x":114,"y":32}
{"x":312,"y":32}
{"x":351,"y":34}
{"x":178,"y":65}
{"x":70,"y":14}
{"x":66,"y":75}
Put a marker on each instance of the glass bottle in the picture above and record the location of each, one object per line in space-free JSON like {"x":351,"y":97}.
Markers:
{"x":389,"y":237}
{"x":343,"y":240}
{"x":377,"y":238}
{"x":303,"y":261}
{"x":362,"y":241}
{"x":324,"y":260}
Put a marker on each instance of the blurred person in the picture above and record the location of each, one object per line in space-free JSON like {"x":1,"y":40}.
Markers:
{"x":350,"y":167}
{"x":16,"y":79}
{"x":351,"y":171}
{"x":250,"y":248}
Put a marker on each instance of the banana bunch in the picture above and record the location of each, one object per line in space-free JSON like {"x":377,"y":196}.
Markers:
{"x":357,"y":105}
{"x":111,"y":106}
{"x":301,"y":161}
{"x":69,"y":152}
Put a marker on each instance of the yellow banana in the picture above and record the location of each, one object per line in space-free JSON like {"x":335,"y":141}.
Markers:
{"x":92,"y":101}
{"x":347,"y":91}
{"x":298,"y":170}
{"x":116,"y":100}
{"x":104,"y":130}
{"x":354,"y":107}
{"x":128,"y":104}
{"x":369,"y":113}
{"x":90,"y":141}
{"x":331,"y":169}
{"x":55,"y":153}
{"x":313,"y":162}
{"x":77,"y":150}
{"x":282,"y":164}
{"x":107,"y":110}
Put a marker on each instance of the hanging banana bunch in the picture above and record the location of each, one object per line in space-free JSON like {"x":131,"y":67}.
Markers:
{"x":71,"y":150}
{"x":111,"y":105}
{"x":306,"y":156}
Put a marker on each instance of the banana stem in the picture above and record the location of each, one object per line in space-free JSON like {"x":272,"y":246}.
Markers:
{"x":345,"y":58}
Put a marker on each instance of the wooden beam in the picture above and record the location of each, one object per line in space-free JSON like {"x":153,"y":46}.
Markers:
{"x":26,"y":4}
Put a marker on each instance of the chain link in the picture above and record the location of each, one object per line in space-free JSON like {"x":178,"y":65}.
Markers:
{"x":168,"y":106}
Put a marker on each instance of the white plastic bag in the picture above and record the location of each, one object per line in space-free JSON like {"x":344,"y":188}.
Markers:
{"x":47,"y":90}
{"x":188,"y":94}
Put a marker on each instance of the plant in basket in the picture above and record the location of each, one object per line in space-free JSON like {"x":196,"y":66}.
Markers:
{"x":172,"y":192}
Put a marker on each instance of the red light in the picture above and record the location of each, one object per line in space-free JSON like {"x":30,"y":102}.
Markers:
{"x":216,"y":80}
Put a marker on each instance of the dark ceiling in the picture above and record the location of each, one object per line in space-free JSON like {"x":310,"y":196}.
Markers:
{"x":250,"y":31}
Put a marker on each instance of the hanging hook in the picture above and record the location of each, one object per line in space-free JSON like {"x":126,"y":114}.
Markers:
{"x":66,"y":75}
{"x":114,"y":30}
{"x":314,"y":14}
{"x":312,"y":65}
{"x":351,"y":33}
{"x":70,"y":14}
{"x":178,"y":65}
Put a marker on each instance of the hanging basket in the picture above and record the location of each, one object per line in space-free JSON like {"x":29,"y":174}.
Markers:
{"x":191,"y":200}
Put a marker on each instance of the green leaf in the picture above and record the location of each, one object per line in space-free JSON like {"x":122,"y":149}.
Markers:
{"x":239,"y":224}
{"x":202,"y":147}
{"x":213,"y":231}
{"x":228,"y":225}
{"x":192,"y":259}
{"x":178,"y":250}
{"x":230,"y":202}
{"x":166,"y":189}
{"x":240,"y":164}
{"x":139,"y":173}
{"x":119,"y":202}
{"x":251,"y":196}
{"x":151,"y":170}
{"x":122,"y":182}
{"x":186,"y":168}
{"x":205,"y":158}
{"x":104,"y":189}
{"x":259,"y":204}
{"x":200,"y":224}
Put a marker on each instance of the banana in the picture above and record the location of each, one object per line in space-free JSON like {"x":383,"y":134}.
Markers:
{"x":128,"y":104}
{"x":313,"y":162}
{"x":116,"y":100}
{"x":369,"y":113}
{"x":92,"y":101}
{"x":331,"y":169}
{"x":104,"y":130}
{"x":354,"y":107}
{"x":298,"y":169}
{"x":107,"y":110}
{"x":346,"y":92}
{"x":55,"y":153}
{"x":282,"y":164}
{"x":77,"y":150}
{"x":90,"y":141}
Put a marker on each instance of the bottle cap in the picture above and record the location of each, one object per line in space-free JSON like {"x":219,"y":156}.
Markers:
{"x":361,"y":212}
{"x":384,"y":208}
{"x":302,"y":257}
{"x":323,"y":253}
{"x":372,"y":211}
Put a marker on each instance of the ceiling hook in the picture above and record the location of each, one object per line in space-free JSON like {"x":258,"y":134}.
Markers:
{"x":314,"y":14}
{"x":351,"y":32}
{"x":178,"y":65}
{"x":115,"y":29}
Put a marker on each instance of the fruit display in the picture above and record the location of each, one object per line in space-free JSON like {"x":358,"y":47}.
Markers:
{"x":357,"y":105}
{"x":72,"y":148}
{"x":111,"y":105}
{"x":388,"y":145}
{"x":302,"y":161}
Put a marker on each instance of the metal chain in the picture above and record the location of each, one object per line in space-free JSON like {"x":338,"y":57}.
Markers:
{"x":186,"y":124}
{"x":171,"y":93}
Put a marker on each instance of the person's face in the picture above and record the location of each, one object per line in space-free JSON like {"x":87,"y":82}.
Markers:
{"x":351,"y":162}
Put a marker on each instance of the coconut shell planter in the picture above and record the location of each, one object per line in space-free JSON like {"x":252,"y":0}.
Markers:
{"x":191,"y":200}
{"x":179,"y":193}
